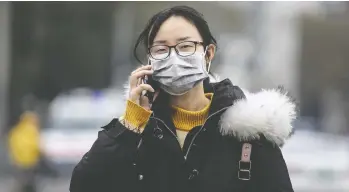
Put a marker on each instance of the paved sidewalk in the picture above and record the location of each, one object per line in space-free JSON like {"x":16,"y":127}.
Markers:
{"x":45,"y":185}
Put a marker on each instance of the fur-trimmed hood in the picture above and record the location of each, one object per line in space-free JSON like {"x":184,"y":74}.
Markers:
{"x":269,"y":112}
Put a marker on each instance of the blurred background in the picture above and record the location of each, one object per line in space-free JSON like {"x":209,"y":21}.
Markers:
{"x":68,"y":62}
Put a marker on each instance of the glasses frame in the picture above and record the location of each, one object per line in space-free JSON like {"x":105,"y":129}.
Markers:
{"x":174,"y":47}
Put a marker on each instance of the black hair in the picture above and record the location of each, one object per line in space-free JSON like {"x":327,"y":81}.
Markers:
{"x":196,"y":18}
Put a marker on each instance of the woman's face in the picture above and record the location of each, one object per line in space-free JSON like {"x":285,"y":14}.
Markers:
{"x":177,"y":29}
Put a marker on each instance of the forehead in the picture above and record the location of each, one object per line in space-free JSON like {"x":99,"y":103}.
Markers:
{"x":174,"y":29}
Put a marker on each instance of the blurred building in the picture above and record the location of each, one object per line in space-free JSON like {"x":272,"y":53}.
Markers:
{"x":56,"y":47}
{"x":4,"y":60}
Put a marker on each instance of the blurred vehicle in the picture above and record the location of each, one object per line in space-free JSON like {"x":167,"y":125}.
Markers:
{"x":318,"y":161}
{"x":74,"y":121}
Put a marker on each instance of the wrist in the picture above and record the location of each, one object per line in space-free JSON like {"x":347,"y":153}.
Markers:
{"x":135,"y":115}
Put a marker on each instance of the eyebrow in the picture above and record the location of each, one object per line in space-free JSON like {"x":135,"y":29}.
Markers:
{"x":160,"y":42}
{"x":178,"y":40}
{"x":183,"y":38}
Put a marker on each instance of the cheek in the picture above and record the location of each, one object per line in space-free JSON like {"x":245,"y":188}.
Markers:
{"x":200,"y":48}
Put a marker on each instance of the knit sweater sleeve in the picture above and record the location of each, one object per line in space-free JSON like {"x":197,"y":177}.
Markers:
{"x":135,"y":117}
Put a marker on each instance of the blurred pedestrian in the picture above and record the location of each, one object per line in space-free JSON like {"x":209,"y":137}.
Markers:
{"x":188,"y":133}
{"x":24,"y":150}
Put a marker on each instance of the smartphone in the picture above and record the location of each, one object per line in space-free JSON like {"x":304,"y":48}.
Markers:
{"x":149,"y":80}
{"x":148,"y":94}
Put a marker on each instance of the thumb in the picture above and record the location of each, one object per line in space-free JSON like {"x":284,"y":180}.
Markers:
{"x":144,"y":102}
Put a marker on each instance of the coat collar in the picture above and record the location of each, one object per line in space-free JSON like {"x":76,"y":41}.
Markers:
{"x":225,"y":94}
{"x":269,"y":113}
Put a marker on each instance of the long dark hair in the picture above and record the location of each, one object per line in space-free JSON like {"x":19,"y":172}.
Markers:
{"x":193,"y":16}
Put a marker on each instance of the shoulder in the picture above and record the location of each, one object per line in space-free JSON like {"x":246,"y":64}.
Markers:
{"x":268,"y":113}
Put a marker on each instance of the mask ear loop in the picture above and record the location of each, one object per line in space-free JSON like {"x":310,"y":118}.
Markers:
{"x":208,"y":67}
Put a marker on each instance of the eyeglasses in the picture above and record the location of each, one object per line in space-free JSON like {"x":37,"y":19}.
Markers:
{"x":184,"y":49}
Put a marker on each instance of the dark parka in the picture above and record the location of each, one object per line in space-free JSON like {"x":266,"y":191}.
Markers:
{"x":123,"y":161}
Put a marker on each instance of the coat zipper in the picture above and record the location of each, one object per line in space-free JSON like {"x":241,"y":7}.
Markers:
{"x":157,"y":119}
{"x":192,"y":141}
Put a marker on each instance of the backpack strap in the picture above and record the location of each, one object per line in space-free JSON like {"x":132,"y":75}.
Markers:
{"x":245,"y":164}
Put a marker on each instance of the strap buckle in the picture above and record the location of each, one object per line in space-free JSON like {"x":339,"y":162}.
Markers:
{"x":245,"y":163}
{"x":244,"y":172}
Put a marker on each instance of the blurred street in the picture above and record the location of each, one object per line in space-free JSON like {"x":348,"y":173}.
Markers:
{"x":45,"y":185}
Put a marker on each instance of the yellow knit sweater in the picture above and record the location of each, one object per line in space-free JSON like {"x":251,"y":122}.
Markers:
{"x":184,"y":120}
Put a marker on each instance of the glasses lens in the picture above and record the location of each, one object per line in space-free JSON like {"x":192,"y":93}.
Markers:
{"x":186,"y":48}
{"x":159,"y":52}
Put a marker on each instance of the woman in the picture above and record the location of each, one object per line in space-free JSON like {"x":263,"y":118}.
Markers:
{"x":195,"y":135}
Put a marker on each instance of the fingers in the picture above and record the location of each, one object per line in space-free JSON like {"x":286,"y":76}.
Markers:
{"x":136,"y":93}
{"x":144,"y":102}
{"x":135,"y":76}
{"x":143,"y":67}
{"x":138,"y":90}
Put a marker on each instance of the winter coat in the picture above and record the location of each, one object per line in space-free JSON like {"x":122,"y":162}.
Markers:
{"x":210,"y":161}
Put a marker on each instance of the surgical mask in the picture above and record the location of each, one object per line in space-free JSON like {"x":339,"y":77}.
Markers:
{"x":177,"y":75}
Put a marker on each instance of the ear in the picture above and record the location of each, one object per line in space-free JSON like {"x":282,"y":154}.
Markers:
{"x":211,"y":50}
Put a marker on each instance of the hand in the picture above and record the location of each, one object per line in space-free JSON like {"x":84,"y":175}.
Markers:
{"x":137,"y":87}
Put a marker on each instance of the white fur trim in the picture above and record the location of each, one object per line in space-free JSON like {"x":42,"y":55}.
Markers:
{"x":269,"y":112}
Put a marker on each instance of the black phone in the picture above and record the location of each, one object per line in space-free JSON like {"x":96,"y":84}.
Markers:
{"x":149,"y":80}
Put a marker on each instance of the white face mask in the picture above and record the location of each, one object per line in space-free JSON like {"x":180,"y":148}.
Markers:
{"x":177,"y":75}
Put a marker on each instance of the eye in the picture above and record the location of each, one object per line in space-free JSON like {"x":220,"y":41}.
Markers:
{"x":186,"y":46}
{"x":159,"y":49}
